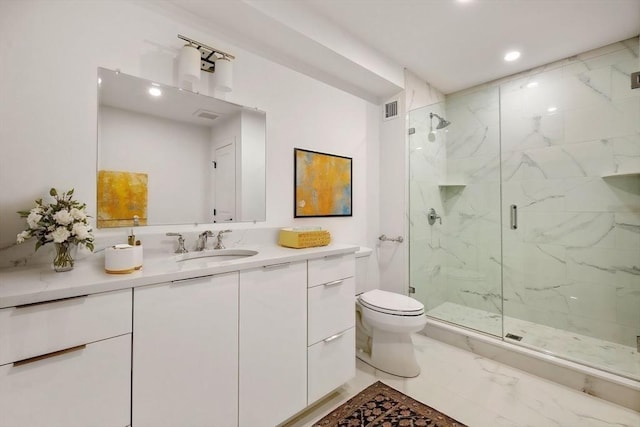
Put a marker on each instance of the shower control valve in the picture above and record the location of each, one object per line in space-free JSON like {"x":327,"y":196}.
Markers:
{"x":432,"y":216}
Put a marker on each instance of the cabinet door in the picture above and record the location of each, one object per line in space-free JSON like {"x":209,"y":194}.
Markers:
{"x":273,"y":344}
{"x":88,"y":386}
{"x":185,"y":353}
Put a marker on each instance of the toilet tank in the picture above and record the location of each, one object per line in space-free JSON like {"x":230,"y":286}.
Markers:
{"x":362,"y":268}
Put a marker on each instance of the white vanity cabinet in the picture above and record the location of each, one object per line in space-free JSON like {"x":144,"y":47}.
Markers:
{"x":67,"y":362}
{"x":331,"y":324}
{"x":273,"y":338}
{"x":185,"y":353}
{"x":242,"y":345}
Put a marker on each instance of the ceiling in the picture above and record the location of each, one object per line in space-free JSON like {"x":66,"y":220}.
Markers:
{"x":362,"y":46}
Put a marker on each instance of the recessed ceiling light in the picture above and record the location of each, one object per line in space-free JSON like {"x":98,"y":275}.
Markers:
{"x":154,"y":91}
{"x":532,"y":84}
{"x":552,"y":109}
{"x":512,"y":56}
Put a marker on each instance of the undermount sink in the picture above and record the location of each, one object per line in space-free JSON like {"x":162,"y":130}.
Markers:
{"x":217,"y":255}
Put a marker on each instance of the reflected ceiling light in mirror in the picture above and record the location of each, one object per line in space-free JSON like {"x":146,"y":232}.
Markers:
{"x":155,"y":91}
{"x":531,"y":85}
{"x":552,"y":109}
{"x":512,"y":56}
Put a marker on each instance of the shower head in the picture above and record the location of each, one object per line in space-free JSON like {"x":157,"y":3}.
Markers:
{"x":442,"y":123}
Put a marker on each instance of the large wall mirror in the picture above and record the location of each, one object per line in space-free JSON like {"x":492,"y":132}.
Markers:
{"x":171,"y":156}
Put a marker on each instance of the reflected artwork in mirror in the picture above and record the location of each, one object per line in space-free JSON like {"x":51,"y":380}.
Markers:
{"x":168,"y":156}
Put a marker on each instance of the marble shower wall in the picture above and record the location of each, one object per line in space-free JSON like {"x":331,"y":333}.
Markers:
{"x":574,"y":261}
{"x":427,"y":166}
{"x":472,"y":209}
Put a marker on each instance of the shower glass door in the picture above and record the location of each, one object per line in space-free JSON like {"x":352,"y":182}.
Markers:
{"x":535,"y":186}
{"x":570,"y":139}
{"x":455,"y":259}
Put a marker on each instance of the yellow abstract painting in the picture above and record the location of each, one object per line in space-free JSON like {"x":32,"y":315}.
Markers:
{"x":322,"y":184}
{"x":122,"y":199}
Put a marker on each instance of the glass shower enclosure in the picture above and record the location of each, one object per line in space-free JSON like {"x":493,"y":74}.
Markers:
{"x":525,"y":210}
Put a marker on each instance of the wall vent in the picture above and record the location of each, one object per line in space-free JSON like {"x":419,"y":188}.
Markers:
{"x":635,"y":80}
{"x":206,"y":114}
{"x":391,"y":110}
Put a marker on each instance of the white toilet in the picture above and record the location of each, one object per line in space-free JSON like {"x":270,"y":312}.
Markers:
{"x":384,"y":323}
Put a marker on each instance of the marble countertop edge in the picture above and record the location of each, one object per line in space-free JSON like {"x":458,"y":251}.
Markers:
{"x":28,"y":285}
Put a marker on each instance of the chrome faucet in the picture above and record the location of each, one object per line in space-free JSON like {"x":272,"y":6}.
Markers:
{"x":219,"y":244}
{"x":181,"y":249}
{"x":201,"y":244}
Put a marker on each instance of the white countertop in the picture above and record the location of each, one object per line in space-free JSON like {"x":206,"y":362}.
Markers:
{"x":27,"y":285}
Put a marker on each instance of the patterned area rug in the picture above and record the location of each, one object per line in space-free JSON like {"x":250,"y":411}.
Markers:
{"x":383,"y":406}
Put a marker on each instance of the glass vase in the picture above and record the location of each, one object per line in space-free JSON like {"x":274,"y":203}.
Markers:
{"x":64,"y":258}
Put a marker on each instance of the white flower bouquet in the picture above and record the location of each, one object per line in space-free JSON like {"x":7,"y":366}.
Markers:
{"x":63,"y":221}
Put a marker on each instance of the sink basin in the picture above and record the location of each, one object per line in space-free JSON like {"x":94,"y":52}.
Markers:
{"x":217,"y":255}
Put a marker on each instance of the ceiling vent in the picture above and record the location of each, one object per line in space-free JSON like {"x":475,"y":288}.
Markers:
{"x":391,"y":110}
{"x":206,"y":114}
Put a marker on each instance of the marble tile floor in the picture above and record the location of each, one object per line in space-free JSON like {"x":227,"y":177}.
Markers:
{"x":481,"y":392}
{"x":611,"y":357}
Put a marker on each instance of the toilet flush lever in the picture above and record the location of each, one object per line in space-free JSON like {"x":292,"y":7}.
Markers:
{"x":432,"y":216}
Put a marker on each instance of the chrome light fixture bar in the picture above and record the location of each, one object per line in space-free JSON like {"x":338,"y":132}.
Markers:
{"x":208,"y":54}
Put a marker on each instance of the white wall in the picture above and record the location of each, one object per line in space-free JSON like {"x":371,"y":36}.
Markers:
{"x":49,"y":105}
{"x":253,"y":158}
{"x":393,"y":258}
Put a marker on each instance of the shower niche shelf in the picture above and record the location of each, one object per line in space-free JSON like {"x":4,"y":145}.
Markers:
{"x":446,"y":185}
{"x":621,"y":174}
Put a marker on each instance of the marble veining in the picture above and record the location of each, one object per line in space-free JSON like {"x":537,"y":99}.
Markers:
{"x":542,"y":140}
{"x":482,"y":393}
{"x":611,"y":357}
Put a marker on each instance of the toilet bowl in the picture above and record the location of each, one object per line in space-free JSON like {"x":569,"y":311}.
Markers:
{"x":384,"y":324}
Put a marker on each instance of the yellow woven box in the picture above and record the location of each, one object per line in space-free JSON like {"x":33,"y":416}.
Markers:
{"x":303,"y":238}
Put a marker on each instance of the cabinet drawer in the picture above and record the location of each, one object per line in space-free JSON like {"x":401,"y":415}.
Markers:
{"x":33,"y":330}
{"x":87,"y":387}
{"x":331,"y":363}
{"x":330,"y":268}
{"x":331,"y":309}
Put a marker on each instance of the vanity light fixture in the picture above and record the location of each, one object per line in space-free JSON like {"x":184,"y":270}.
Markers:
{"x":188,"y":66}
{"x":210,"y":60}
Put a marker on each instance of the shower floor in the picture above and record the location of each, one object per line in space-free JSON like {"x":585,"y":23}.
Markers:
{"x":607,"y":356}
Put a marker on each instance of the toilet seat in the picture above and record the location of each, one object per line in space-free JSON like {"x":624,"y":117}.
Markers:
{"x":391,"y":303}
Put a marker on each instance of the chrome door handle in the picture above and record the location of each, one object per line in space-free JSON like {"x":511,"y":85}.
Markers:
{"x":514,"y":217}
{"x":334,"y":283}
{"x":334,"y":337}
{"x":274,"y":266}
